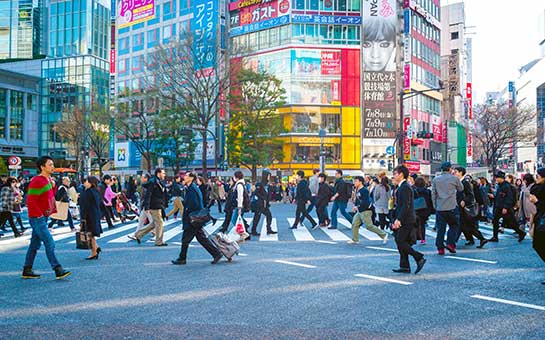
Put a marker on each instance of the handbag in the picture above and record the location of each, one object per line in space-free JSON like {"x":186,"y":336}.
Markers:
{"x":83,"y":237}
{"x":420,"y":203}
{"x":62,"y":211}
{"x":200,"y":217}
{"x":472,"y":210}
{"x":240,"y":226}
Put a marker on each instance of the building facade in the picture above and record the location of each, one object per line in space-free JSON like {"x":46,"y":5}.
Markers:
{"x":76,"y":71}
{"x":21,"y":23}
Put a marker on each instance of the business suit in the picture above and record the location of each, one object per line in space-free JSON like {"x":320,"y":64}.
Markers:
{"x":467,"y":222}
{"x":194,"y":202}
{"x":405,"y":235}
{"x":302,"y":195}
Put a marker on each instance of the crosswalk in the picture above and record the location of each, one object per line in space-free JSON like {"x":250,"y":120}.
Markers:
{"x":304,"y":233}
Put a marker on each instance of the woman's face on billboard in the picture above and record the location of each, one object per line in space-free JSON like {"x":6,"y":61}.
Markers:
{"x":376,"y":54}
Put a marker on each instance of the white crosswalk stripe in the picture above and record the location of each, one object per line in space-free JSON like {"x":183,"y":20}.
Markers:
{"x":301,"y":233}
{"x":363,"y":232}
{"x":264,"y":236}
{"x":116,"y":230}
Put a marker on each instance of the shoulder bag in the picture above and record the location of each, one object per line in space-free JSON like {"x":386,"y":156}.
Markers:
{"x":83,"y":237}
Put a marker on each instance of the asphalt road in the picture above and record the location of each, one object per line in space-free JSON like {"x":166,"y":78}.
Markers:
{"x":294,"y":286}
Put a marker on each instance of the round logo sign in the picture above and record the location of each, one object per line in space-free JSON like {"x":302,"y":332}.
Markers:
{"x":13,"y":160}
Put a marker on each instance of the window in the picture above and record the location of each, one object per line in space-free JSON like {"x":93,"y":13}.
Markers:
{"x":138,"y":42}
{"x":122,"y":66}
{"x":137,"y":64}
{"x":17,"y":115}
{"x":153,"y":37}
{"x":3,"y":113}
{"x":157,"y":16}
{"x":454,"y":35}
{"x":124,"y":45}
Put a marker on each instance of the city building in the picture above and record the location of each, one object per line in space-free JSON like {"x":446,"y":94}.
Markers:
{"x":76,"y":71}
{"x":19,"y":112}
{"x":21,"y":29}
{"x":456,"y":73}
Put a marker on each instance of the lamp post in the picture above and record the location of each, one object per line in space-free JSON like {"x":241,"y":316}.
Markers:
{"x":322,"y":134}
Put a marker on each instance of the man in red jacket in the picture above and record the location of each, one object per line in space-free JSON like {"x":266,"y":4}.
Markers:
{"x":41,"y":204}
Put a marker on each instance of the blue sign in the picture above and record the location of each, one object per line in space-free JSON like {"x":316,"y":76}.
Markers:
{"x":511,"y":86}
{"x":259,"y":26}
{"x":325,"y":19}
{"x":204,"y":26}
{"x":407,"y":21}
{"x":390,"y":150}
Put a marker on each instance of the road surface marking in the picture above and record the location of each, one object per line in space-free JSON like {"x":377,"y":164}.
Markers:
{"x":380,"y":248}
{"x":301,"y":233}
{"x":508,"y":302}
{"x":335,"y":234}
{"x":384,"y":279}
{"x":363,"y":232}
{"x":295,"y":264}
{"x":326,"y":242}
{"x":470,"y":259}
{"x":274,"y":227}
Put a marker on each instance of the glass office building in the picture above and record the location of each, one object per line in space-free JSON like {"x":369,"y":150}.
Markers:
{"x":17,"y":28}
{"x":76,"y":70}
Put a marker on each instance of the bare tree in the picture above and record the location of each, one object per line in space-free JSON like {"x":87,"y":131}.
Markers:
{"x":71,"y":128}
{"x":99,"y":135}
{"x":255,"y":121}
{"x":499,"y":127}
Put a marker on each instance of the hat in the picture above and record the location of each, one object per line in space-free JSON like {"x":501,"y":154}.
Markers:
{"x":541,"y":172}
{"x":499,"y":174}
{"x":446,"y":166}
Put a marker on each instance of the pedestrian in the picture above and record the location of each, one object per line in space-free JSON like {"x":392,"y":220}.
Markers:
{"x":469,"y":209}
{"x":230,"y":205}
{"x":194,"y":202}
{"x":363,"y":214}
{"x":504,"y":207}
{"x":325,"y":192}
{"x":215,"y":196}
{"x":443,"y":194}
{"x":342,"y":194}
{"x":62,"y":196}
{"x":90,"y":214}
{"x":41,"y":204}
{"x":537,"y":229}
{"x":176,"y":193}
{"x":154,"y":203}
{"x":486,"y":191}
{"x":404,"y":224}
{"x":302,"y":197}
{"x":313,"y":184}
{"x":205,"y":190}
{"x":263,"y":204}
{"x":382,"y":196}
{"x":16,"y":212}
{"x":7,"y":202}
{"x":131,"y":188}
{"x":242,"y":202}
{"x":145,"y":218}
{"x":107,"y":195}
{"x":423,"y":212}
{"x":527,"y":209}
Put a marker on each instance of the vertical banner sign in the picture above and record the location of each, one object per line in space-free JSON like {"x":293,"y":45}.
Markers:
{"x":469,"y":141}
{"x":134,"y":11}
{"x":379,"y":68}
{"x":469,"y":145}
{"x":204,"y":25}
{"x":112,"y":49}
{"x":407,"y":50}
{"x":512,"y":103}
{"x":407,"y":138}
{"x":469,"y":96}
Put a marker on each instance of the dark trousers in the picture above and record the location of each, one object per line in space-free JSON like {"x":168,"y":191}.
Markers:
{"x":227,"y":221}
{"x":321,"y":211}
{"x":382,"y":221}
{"x":421,"y":221}
{"x":7,"y":216}
{"x":310,"y":207}
{"x":405,"y":237}
{"x":302,"y":211}
{"x":188,"y":236}
{"x":452,"y":218}
{"x":108,"y":214}
{"x":257,"y":216}
{"x":470,"y":226}
{"x":509,"y":221}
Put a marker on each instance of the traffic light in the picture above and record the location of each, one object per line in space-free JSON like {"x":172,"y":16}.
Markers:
{"x":424,"y":135}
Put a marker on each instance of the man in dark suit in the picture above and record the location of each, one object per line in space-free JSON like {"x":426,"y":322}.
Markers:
{"x":302,"y":197}
{"x":193,"y":202}
{"x":404,"y":224}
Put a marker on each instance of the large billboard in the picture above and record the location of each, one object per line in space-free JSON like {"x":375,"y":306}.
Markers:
{"x":379,"y":69}
{"x":131,"y":12}
{"x":204,"y":25}
{"x":250,"y":16}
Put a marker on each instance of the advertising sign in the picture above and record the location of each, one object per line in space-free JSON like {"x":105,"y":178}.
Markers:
{"x":134,"y":11}
{"x":413,"y":166}
{"x":379,"y":76}
{"x":469,"y":145}
{"x":469,"y":96}
{"x":261,"y":12}
{"x":204,"y":26}
{"x":263,"y":25}
{"x":437,"y":128}
{"x":331,"y":62}
{"x":325,"y":19}
{"x":407,"y":139}
{"x":121,"y":155}
{"x":335,"y":92}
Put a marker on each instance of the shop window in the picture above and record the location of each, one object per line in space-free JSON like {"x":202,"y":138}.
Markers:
{"x":310,"y":153}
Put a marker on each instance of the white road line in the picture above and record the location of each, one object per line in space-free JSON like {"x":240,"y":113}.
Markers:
{"x":363,"y":232}
{"x":326,"y":242}
{"x":508,"y":302}
{"x":116,"y":230}
{"x":243,"y":255}
{"x":264,"y":236}
{"x":301,"y":233}
{"x":335,"y":235}
{"x":295,"y":264}
{"x":380,"y":248}
{"x":173,"y":232}
{"x":211,"y":228}
{"x":470,"y":259}
{"x":384,"y":279}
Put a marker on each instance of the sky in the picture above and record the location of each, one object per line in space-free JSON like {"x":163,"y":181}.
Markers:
{"x":506,"y":38}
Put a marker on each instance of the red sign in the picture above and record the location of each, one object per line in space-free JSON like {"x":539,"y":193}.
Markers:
{"x":331,"y":62}
{"x":233,"y":6}
{"x":406,"y":140}
{"x":112,"y":61}
{"x":469,"y":96}
{"x":259,"y":12}
{"x":336,"y":90}
{"x":413,"y":166}
{"x":469,"y":145}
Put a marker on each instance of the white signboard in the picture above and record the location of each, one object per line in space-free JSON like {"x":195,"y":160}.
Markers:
{"x":121,"y":155}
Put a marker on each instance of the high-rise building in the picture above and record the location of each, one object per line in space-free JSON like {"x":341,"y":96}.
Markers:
{"x":20,"y":29}
{"x":76,"y":71}
{"x":456,"y":73}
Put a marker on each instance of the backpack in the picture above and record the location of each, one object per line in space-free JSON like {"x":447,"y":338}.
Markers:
{"x":253,"y":202}
{"x":245,"y":201}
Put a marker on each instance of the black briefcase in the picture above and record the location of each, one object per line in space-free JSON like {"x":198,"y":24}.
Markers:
{"x":83,"y":237}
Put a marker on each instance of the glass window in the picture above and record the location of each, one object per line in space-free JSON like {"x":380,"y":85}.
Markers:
{"x":16,"y":115}
{"x":3,"y":113}
{"x":313,"y":5}
{"x":299,"y":4}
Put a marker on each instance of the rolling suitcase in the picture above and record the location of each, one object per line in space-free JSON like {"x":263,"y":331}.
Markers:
{"x":225,"y":245}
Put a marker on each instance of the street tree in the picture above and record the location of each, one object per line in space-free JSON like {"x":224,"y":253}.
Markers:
{"x":98,"y":131}
{"x":71,"y":129}
{"x":255,"y":123}
{"x":499,"y":127}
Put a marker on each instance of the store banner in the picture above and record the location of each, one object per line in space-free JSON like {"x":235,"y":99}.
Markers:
{"x":379,"y":76}
{"x":204,"y":25}
{"x":260,"y":12}
{"x":407,"y":138}
{"x":469,"y":147}
{"x":331,"y":62}
{"x":134,"y":11}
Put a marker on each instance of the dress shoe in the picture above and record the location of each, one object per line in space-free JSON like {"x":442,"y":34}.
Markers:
{"x":521,"y":237}
{"x":271,"y":232}
{"x":420,"y":264}
{"x":178,"y":262}
{"x":255,"y":234}
{"x":293,"y":227}
{"x":217,"y":259}
{"x":470,"y":243}
{"x":92,"y":257}
{"x":161,"y":245}
{"x":331,"y":227}
{"x":483,"y":242}
{"x":99,"y":250}
{"x":138,"y":240}
{"x":451,"y":248}
{"x":543,"y":283}
{"x":493,"y":239}
{"x":441,"y":251}
{"x":402,"y":270}
{"x":352,"y":242}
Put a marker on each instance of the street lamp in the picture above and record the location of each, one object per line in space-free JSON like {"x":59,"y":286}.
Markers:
{"x":322,"y":134}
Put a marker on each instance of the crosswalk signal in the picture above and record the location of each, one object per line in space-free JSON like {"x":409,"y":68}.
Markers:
{"x":424,"y":135}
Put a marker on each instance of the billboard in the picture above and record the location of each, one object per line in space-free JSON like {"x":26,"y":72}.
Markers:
{"x":121,"y":155}
{"x":260,"y":12}
{"x":131,"y":12}
{"x":379,"y":76}
{"x":204,"y":26}
{"x":325,"y":19}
